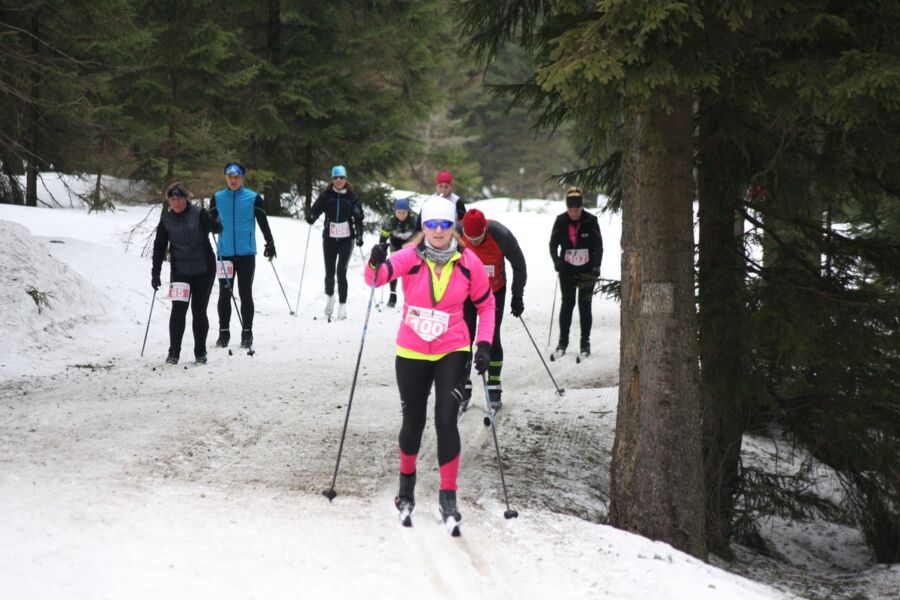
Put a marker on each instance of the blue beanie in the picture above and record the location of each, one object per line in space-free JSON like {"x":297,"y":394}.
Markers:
{"x":401,"y":204}
{"x":338,"y":171}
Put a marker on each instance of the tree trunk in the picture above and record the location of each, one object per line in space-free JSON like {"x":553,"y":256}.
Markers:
{"x":721,"y":316}
{"x":32,"y":143}
{"x":657,"y":474}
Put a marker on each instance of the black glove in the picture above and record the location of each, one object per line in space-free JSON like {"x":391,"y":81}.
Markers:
{"x":155,"y":282}
{"x":517,"y":306}
{"x":269,"y":252}
{"x":310,"y":219}
{"x":482,"y":357}
{"x":359,"y":242}
{"x":378,"y":255}
{"x":558,"y":264}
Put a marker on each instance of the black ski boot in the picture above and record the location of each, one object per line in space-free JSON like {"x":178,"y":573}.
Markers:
{"x":558,"y":353}
{"x":494,"y":393}
{"x":405,"y":500}
{"x":224,"y":338}
{"x":246,"y":338}
{"x":585,"y":351}
{"x":392,"y":300}
{"x":449,"y":511}
{"x":200,"y":359}
{"x":172,"y":358}
{"x":463,"y":394}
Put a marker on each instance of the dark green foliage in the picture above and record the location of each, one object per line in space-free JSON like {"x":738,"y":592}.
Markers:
{"x":797,"y":102}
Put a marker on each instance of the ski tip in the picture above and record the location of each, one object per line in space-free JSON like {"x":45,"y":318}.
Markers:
{"x":452,"y":526}
{"x":230,"y":353}
{"x":330,"y":494}
{"x":511,"y":514}
{"x":577,"y":360}
{"x":455,"y":532}
{"x":406,"y":521}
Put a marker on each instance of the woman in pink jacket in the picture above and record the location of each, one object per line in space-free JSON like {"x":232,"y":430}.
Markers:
{"x":433,"y":343}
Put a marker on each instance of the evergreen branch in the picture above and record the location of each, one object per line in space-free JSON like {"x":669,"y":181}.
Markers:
{"x":41,"y":41}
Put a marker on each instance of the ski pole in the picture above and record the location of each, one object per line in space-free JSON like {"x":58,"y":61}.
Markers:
{"x":559,"y":391}
{"x":552,"y":310}
{"x":250,"y":350}
{"x":302,"y":271}
{"x":152,"y":302}
{"x":330,"y":493}
{"x":489,"y":420}
{"x":281,"y":286}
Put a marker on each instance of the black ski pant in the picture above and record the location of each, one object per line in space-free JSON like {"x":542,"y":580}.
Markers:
{"x":572,"y":283}
{"x":414,"y":380}
{"x":244,"y":269}
{"x":337,"y":256}
{"x":201,"y":288}
{"x":470,"y":315}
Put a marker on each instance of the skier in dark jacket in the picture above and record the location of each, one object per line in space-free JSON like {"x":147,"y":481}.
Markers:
{"x":184,"y":231}
{"x":576,"y":248}
{"x":397,"y":229}
{"x":343,"y":224}
{"x":240,"y":210}
{"x":494,"y":244}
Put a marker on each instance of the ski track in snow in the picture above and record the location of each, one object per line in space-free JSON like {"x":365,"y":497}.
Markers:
{"x":120,"y":477}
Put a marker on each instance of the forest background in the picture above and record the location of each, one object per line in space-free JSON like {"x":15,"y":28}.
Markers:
{"x":777,"y":120}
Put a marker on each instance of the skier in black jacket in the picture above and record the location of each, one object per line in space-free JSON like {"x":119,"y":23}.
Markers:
{"x":343,"y":224}
{"x":184,"y":230}
{"x":576,"y":248}
{"x":397,"y":229}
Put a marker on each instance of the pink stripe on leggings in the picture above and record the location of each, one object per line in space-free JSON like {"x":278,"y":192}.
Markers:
{"x":448,"y":474}
{"x":407,"y":463}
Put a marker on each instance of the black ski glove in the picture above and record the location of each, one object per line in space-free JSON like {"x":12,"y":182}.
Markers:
{"x":482,"y":357}
{"x":558,"y":264}
{"x":155,"y":282}
{"x":310,"y":219}
{"x":517,"y":306}
{"x":378,"y":255}
{"x":269,"y":252}
{"x":359,"y":242}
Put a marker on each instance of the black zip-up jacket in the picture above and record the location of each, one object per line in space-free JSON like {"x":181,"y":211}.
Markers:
{"x":588,"y":237}
{"x":338,"y":208}
{"x":396,"y":231}
{"x":187,"y":234}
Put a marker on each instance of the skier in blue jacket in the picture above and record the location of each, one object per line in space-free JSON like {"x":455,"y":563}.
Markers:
{"x":239,"y":209}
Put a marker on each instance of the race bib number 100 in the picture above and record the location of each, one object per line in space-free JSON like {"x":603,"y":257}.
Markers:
{"x":180,"y":291}
{"x":577,"y":257}
{"x":225,"y":269}
{"x":429,"y":324}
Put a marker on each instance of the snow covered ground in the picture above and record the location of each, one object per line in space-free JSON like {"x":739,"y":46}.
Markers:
{"x":121,"y":478}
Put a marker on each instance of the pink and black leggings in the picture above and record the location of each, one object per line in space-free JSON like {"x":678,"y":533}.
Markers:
{"x":414,"y":380}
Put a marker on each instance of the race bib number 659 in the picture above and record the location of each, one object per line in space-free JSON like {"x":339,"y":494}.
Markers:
{"x":180,"y":291}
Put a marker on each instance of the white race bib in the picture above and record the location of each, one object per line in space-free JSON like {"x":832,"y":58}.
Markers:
{"x":339,"y":230}
{"x":225,"y":269}
{"x":179,"y":291}
{"x":428,"y":323}
{"x":577,"y":257}
{"x":403,"y":235}
{"x":489,"y":269}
